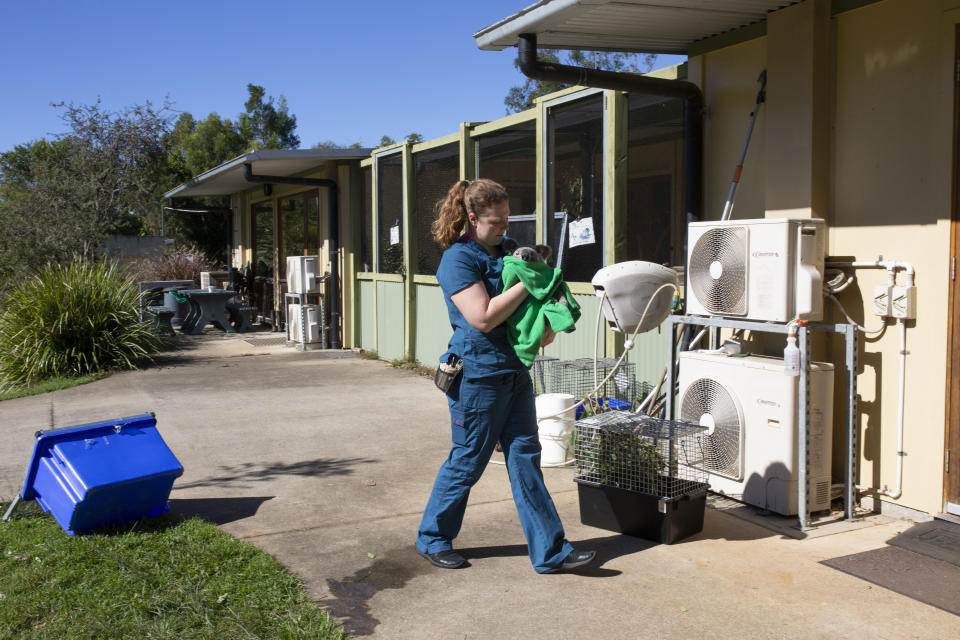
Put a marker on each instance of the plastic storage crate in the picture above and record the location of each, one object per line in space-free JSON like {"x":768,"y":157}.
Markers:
{"x":101,"y":474}
{"x":640,"y":475}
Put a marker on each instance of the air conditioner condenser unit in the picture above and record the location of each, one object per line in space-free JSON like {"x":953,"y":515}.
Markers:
{"x":303,"y":274}
{"x":764,"y":269}
{"x":303,"y":323}
{"x":749,"y":406}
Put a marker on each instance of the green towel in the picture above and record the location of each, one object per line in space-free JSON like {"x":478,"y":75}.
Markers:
{"x":526,"y":326}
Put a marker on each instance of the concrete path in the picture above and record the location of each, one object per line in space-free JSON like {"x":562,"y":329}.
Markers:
{"x":325,"y":460}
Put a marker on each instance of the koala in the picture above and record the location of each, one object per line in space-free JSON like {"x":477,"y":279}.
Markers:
{"x":539,"y":253}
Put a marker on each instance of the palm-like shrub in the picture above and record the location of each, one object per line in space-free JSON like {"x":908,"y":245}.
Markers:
{"x":71,"y":320}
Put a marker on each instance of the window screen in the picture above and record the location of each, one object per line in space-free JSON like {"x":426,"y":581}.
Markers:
{"x":390,"y":213}
{"x":436,"y":171}
{"x":366,"y":228}
{"x":655,"y":224}
{"x":575,"y":170}
{"x":509,"y":156}
{"x":263,"y":239}
{"x":300,"y":218}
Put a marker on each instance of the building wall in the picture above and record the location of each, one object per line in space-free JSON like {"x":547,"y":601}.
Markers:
{"x":885,"y":128}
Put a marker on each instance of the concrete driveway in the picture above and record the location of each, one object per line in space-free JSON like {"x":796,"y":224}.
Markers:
{"x":325,"y":460}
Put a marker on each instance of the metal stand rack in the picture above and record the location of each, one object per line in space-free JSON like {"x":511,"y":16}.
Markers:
{"x":849,"y":331}
{"x":303,"y":299}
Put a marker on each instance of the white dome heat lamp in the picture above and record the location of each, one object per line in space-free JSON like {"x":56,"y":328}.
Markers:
{"x":626,"y":288}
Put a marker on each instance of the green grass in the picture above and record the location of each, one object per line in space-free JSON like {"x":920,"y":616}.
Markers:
{"x":163,"y":578}
{"x":52,"y":384}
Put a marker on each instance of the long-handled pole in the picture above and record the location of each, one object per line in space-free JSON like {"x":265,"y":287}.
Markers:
{"x":761,"y":98}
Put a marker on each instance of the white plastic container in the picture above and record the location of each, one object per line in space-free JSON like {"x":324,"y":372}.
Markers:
{"x":555,"y":432}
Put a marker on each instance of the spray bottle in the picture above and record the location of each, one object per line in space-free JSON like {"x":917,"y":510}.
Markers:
{"x":791,"y":353}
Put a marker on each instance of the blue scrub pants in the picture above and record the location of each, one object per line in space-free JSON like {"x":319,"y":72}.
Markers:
{"x":484,"y":411}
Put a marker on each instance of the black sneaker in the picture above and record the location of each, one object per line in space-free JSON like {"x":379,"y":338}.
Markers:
{"x":574,"y":560}
{"x":447,"y":559}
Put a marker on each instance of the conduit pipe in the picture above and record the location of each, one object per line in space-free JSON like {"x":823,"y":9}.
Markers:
{"x":331,"y":185}
{"x":892,"y":266}
{"x":620,"y":81}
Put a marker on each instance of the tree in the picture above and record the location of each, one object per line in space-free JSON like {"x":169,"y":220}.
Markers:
{"x":265,"y":126}
{"x":386,"y":141}
{"x":413,"y":138}
{"x":522,"y":97}
{"x":61,"y":198}
{"x":330,"y":144}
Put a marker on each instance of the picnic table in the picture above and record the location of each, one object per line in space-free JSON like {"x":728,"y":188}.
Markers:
{"x":165,"y":287}
{"x":207,"y":306}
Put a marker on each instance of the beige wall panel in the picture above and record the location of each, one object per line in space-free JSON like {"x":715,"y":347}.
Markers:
{"x":730,"y":91}
{"x":891,"y":197}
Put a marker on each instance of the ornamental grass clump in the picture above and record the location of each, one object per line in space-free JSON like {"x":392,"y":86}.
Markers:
{"x":71,"y":320}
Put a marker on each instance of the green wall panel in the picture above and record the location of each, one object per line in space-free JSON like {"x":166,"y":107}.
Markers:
{"x":390,"y":320}
{"x":649,"y":353}
{"x":579,"y":344}
{"x":367,"y":318}
{"x":433,"y":324}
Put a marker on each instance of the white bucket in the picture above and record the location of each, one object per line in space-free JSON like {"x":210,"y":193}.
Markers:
{"x":555,"y":432}
{"x":204,"y":279}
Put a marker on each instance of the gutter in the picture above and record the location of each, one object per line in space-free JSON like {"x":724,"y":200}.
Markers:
{"x":250,"y":176}
{"x":620,"y":81}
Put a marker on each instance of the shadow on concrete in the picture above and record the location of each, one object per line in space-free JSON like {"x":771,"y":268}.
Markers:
{"x":217,"y":510}
{"x":349,"y":596}
{"x":256,"y":472}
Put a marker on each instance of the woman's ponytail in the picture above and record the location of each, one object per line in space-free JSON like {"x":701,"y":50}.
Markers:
{"x":465,"y":195}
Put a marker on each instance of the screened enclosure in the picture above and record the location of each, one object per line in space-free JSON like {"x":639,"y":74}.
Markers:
{"x":655,"y":224}
{"x":509,"y":156}
{"x":366,"y":227}
{"x":574,"y":147}
{"x":435,"y":170}
{"x":300,"y":216}
{"x":390,"y":213}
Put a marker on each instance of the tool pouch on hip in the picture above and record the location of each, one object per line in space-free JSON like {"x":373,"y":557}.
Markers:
{"x":447,"y":372}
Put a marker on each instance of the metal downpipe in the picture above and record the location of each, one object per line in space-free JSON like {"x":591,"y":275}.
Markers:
{"x":681,"y":89}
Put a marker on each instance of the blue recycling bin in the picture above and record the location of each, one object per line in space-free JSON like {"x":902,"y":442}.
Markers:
{"x":102,"y":474}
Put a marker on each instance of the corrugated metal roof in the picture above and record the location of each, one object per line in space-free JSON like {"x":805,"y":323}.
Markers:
{"x":228,"y":177}
{"x":649,"y":26}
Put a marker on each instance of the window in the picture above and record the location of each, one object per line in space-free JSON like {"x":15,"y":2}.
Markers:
{"x":575,"y":179}
{"x":366,"y":229}
{"x":436,"y":171}
{"x":263,"y":239}
{"x":509,"y":156}
{"x":300,"y":220}
{"x":390,"y":213}
{"x":655,"y":221}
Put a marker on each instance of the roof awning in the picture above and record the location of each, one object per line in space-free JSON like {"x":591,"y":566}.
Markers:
{"x":228,"y":177}
{"x":647,"y":26}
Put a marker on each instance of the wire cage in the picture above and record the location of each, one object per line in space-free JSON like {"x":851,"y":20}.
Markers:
{"x":542,"y":370}
{"x":640,"y":453}
{"x":577,"y":378}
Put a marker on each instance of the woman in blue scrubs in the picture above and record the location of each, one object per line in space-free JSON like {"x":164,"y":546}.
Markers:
{"x":491,"y":401}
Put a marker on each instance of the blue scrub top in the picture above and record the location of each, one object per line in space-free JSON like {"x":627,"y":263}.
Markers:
{"x":484,"y":354}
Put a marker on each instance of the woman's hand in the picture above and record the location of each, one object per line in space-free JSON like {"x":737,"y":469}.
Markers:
{"x":548,"y":334}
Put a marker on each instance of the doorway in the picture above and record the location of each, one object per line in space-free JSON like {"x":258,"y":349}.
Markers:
{"x":951,"y":474}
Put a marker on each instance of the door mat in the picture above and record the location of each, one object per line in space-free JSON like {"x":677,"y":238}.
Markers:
{"x":265,"y":342}
{"x":936,"y":539}
{"x":910,"y":574}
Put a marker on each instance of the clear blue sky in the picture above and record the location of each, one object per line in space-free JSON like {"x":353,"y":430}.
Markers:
{"x":350,"y":71}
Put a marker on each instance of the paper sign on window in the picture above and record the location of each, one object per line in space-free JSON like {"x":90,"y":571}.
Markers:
{"x":395,"y":235}
{"x":581,"y":232}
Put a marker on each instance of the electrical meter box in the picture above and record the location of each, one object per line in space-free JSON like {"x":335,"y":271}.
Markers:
{"x":101,"y":474}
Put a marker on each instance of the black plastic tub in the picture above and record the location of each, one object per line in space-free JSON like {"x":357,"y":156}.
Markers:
{"x":664,"y":520}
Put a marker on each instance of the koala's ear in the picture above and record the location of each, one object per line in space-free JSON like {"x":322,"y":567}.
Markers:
{"x":545,"y":251}
{"x":509,"y":245}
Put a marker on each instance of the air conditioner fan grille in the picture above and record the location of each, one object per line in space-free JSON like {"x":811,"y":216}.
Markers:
{"x":718,"y":270}
{"x":707,"y":401}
